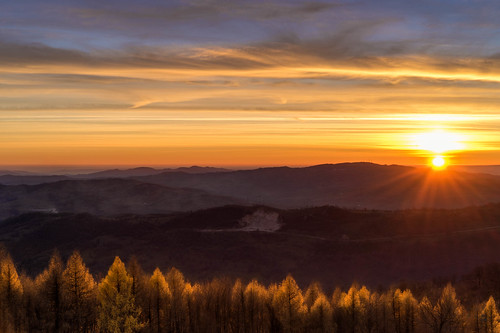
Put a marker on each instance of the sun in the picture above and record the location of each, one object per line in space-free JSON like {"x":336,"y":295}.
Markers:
{"x":436,"y":145}
{"x":438,"y":163}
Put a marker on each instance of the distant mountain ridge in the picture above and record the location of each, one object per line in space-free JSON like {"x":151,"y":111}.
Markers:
{"x":145,"y":171}
{"x":351,"y":185}
{"x":104,"y":197}
{"x":26,"y":178}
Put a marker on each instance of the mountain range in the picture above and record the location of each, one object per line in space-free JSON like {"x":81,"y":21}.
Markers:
{"x":349,"y":185}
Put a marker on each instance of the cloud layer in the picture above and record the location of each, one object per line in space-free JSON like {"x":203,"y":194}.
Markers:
{"x":250,"y":72}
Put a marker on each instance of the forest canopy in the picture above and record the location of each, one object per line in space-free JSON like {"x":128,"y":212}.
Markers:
{"x":66,"y":297}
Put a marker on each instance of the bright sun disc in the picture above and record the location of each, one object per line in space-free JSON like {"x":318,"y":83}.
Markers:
{"x":438,"y":162}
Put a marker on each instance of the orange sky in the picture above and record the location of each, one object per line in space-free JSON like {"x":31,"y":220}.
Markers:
{"x":246,"y":86}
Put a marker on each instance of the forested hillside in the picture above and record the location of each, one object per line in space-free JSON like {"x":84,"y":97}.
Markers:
{"x":67,"y":298}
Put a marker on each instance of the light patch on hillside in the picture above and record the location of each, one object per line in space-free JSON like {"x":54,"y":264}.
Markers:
{"x":260,"y":220}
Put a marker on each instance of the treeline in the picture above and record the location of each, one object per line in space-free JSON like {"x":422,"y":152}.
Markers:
{"x":67,"y":298}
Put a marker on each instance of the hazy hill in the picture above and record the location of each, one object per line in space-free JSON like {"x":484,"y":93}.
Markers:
{"x":103,"y":197}
{"x":328,"y":244}
{"x":26,"y":178}
{"x":145,"y":171}
{"x":357,"y":185}
{"x":352,"y":185}
{"x":29,"y":180}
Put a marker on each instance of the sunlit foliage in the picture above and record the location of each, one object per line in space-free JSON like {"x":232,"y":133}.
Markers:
{"x":67,"y":298}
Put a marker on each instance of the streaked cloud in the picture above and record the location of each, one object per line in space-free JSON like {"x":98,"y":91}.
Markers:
{"x":214,"y":75}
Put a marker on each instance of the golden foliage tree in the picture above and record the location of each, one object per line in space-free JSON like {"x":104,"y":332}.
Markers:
{"x":321,"y":316}
{"x":117,"y":309}
{"x":350,"y":310}
{"x":50,"y":289}
{"x":160,"y":295}
{"x":256,"y":311}
{"x":404,"y":310}
{"x":238,"y":307}
{"x":177,"y":284}
{"x":289,"y":306}
{"x":448,"y":315}
{"x":11,"y":292}
{"x":80,"y":294}
{"x":489,"y":317}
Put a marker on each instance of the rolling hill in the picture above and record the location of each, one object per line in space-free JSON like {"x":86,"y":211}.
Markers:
{"x":353,"y":185}
{"x":103,"y":197}
{"x":331,"y":245}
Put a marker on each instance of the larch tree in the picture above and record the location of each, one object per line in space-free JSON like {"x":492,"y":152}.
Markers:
{"x":350,"y":310}
{"x":238,"y":307}
{"x":489,"y":317}
{"x":404,"y":309}
{"x":194,"y":305}
{"x":289,"y":305}
{"x":159,"y":294}
{"x":447,"y":315}
{"x":256,"y":312}
{"x":312,"y":293}
{"x":11,"y":292}
{"x":80,"y":295}
{"x":117,"y":309}
{"x":50,"y":288}
{"x":320,"y":318}
{"x":177,"y":285}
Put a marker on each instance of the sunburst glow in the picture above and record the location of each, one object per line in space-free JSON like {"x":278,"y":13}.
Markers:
{"x":439,"y":141}
{"x":438,"y":162}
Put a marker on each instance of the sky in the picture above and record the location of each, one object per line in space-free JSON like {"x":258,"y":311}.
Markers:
{"x":248,"y":83}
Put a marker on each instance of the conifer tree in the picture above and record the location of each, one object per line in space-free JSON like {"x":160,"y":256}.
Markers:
{"x":160,"y":295}
{"x":177,"y":285}
{"x":140,"y":289}
{"x":404,"y":308}
{"x":350,"y":310}
{"x":31,"y":305}
{"x":321,"y":316}
{"x":194,"y":305}
{"x":50,"y":288}
{"x":238,"y":307}
{"x":446,"y":316}
{"x":80,"y":295}
{"x":11,"y":292}
{"x":256,"y":312}
{"x":117,"y":309}
{"x":489,"y":317}
{"x":312,"y":293}
{"x":289,"y":305}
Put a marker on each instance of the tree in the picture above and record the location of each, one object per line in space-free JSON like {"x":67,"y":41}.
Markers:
{"x":404,"y":307}
{"x":256,"y":312}
{"x":321,"y":316}
{"x":446,"y":316}
{"x":140,"y":290}
{"x":289,"y":305}
{"x":350,"y":310}
{"x":312,"y":293}
{"x":11,"y":292}
{"x":489,"y":317}
{"x":117,"y":309}
{"x":238,"y":307}
{"x":177,"y":285}
{"x":50,"y":288}
{"x":159,"y":294}
{"x":79,"y":290}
